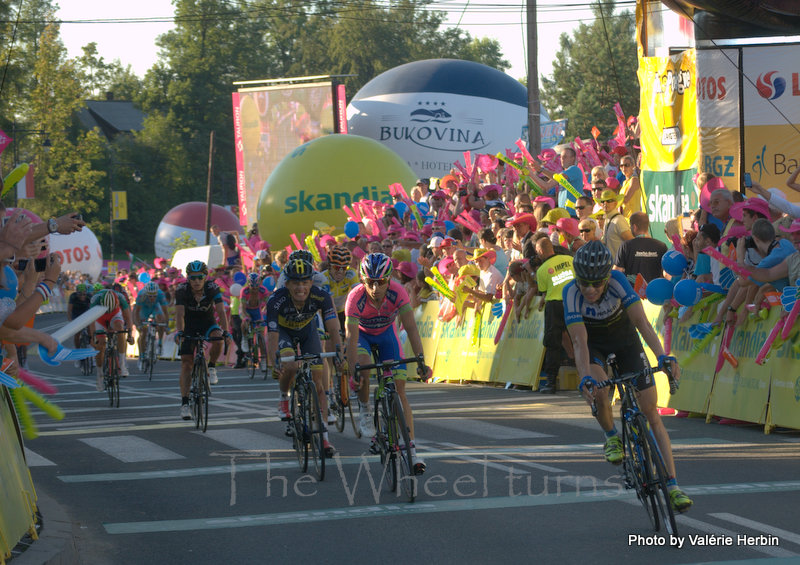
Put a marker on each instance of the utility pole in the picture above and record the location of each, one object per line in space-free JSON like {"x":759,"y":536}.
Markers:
{"x":534,"y":115}
{"x":208,"y":186}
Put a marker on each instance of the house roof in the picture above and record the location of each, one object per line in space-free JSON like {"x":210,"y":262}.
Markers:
{"x":112,"y":117}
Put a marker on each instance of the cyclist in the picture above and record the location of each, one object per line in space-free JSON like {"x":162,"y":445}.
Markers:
{"x":197,"y":301}
{"x":340,"y":278}
{"x":602,"y":313}
{"x":317,"y":278}
{"x":79,"y":302}
{"x":150,"y":303}
{"x":116,"y":318}
{"x":371,"y":310}
{"x":251,"y":303}
{"x":291,"y":311}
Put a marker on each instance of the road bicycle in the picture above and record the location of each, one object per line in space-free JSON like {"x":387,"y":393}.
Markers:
{"x":85,"y":342}
{"x":392,"y":435}
{"x":306,"y":425}
{"x":199,"y":389}
{"x":111,"y":365}
{"x":149,"y":355}
{"x":643,"y":466}
{"x":340,"y":399}
{"x":257,"y":345}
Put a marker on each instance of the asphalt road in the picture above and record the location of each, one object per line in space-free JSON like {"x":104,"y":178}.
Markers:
{"x":513,"y":476}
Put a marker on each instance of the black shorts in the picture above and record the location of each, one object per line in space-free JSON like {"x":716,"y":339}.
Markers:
{"x":307,"y":338}
{"x":631,"y":357}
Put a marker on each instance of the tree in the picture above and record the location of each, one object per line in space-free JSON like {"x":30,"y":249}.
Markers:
{"x":594,"y":69}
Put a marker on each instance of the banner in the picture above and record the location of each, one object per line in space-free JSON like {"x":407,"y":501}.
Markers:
{"x":668,"y":122}
{"x":784,"y":394}
{"x":119,"y":204}
{"x":25,"y":188}
{"x":5,"y":141}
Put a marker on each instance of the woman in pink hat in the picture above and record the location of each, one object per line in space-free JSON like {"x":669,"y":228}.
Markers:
{"x":569,"y":231}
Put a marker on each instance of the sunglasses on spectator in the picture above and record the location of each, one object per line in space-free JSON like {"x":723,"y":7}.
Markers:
{"x":595,"y":284}
{"x":588,"y":230}
{"x":626,"y":164}
{"x":376,"y":282}
{"x":580,"y":207}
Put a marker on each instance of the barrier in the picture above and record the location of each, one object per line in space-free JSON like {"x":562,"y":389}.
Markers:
{"x":17,"y":495}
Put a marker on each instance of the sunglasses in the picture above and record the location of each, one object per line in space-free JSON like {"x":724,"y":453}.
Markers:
{"x":580,"y":207}
{"x":586,"y":231}
{"x":625,"y":165}
{"x":338,"y":267}
{"x":608,"y":201}
{"x":387,"y":245}
{"x":376,"y":282}
{"x":197,"y":277}
{"x":595,"y":284}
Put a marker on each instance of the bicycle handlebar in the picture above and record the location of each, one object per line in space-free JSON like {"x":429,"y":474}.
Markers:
{"x":111,"y":332}
{"x":388,"y":364}
{"x":308,"y":357}
{"x":628,"y":377}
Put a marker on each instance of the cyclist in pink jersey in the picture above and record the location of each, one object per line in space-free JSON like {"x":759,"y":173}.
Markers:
{"x":371,"y":310}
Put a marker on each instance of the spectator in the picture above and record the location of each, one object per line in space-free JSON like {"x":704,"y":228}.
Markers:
{"x":589,"y":230}
{"x":642,"y":254}
{"x":489,"y":279}
{"x":570,"y":232}
{"x":631,"y":188}
{"x":489,"y":241}
{"x":616,"y":228}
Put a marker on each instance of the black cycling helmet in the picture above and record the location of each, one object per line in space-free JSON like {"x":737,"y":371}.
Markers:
{"x":298,"y":270}
{"x":196,"y":268}
{"x":301,"y":254}
{"x":592,"y":261}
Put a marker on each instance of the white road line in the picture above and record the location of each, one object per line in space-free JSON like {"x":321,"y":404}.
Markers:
{"x":784,"y":535}
{"x":35,"y":460}
{"x":718,"y":531}
{"x":248,"y":440}
{"x":131,"y":449}
{"x":484,"y":429}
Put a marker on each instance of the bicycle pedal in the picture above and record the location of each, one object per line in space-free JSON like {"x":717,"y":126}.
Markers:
{"x":289,"y":431}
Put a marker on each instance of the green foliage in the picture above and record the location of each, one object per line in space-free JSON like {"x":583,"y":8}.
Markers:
{"x":594,"y":69}
{"x":183,"y":241}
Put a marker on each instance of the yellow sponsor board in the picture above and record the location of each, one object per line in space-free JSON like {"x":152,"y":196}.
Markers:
{"x":521,"y":350}
{"x":668,"y":112}
{"x":742,"y":393}
{"x":119,"y":204}
{"x":784,"y":395}
{"x":771,"y":153}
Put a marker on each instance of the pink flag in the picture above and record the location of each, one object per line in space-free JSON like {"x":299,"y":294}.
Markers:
{"x":5,"y":140}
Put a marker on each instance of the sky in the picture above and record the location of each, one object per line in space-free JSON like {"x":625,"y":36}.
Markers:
{"x":133,"y":43}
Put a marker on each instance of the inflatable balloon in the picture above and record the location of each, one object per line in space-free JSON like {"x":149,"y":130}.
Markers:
{"x":687,"y":292}
{"x":14,"y":177}
{"x":190,"y":217}
{"x":430,"y":112}
{"x":317,"y":179}
{"x":236,"y":289}
{"x":79,"y":251}
{"x":351,"y":229}
{"x":659,"y":291}
{"x":423,"y":208}
{"x":269,"y":283}
{"x":401,"y":208}
{"x":240,"y":277}
{"x":144,"y":277}
{"x":673,"y":263}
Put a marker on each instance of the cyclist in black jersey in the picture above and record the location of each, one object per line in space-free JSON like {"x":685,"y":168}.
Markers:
{"x":291,"y":317}
{"x":79,"y":302}
{"x":198,"y":306}
{"x":602,"y":313}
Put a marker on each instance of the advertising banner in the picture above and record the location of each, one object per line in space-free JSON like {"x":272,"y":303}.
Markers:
{"x":784,"y":394}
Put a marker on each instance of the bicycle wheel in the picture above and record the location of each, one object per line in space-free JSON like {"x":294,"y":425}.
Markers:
{"x":112,"y":379}
{"x":298,"y":421}
{"x":657,"y":484}
{"x":255,"y":353}
{"x":356,"y":430}
{"x":634,"y":467}
{"x":151,"y":356}
{"x":405,"y":467}
{"x":316,"y":426}
{"x":383,"y":443}
{"x":202,"y":397}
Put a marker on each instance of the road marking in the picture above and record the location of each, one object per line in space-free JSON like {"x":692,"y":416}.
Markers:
{"x":462,"y":504}
{"x":718,"y":531}
{"x":484,"y":429}
{"x":248,"y":440}
{"x":131,"y":449}
{"x":33,"y":459}
{"x":784,"y":535}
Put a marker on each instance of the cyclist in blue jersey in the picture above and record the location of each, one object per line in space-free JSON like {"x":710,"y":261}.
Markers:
{"x":603,"y":313}
{"x":150,"y":303}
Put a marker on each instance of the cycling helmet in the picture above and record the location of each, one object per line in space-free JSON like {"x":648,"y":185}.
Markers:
{"x":261,"y":255}
{"x":151,"y":289}
{"x":253,"y":279}
{"x":298,"y":270}
{"x":301,"y":254}
{"x":110,"y":300}
{"x":196,"y":268}
{"x":592,"y":261}
{"x":339,"y":256}
{"x":80,"y":288}
{"x":375,"y":266}
{"x":98,"y":287}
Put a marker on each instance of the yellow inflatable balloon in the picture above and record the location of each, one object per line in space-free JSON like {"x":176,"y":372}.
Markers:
{"x":14,"y":177}
{"x":314,"y":181}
